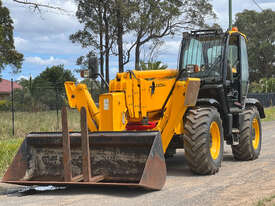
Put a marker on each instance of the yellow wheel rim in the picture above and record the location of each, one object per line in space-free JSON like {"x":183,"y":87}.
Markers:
{"x":255,"y":133}
{"x":215,"y":140}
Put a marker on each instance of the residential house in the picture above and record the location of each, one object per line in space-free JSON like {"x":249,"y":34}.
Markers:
{"x":5,"y":88}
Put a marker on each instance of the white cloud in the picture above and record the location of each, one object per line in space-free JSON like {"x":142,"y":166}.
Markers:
{"x":45,"y":32}
{"x":171,"y":47}
{"x":20,"y":42}
{"x":45,"y":62}
{"x":44,"y":37}
{"x":22,"y":77}
{"x":221,"y":8}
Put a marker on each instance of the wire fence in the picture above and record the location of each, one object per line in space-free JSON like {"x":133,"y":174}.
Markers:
{"x":49,"y":99}
{"x":267,"y":99}
{"x":43,"y":100}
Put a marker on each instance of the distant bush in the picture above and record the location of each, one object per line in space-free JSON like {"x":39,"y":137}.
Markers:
{"x":5,"y":105}
{"x":265,"y":85}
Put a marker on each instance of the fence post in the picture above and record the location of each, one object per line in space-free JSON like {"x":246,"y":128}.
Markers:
{"x":12,"y":107}
{"x":56,"y":106}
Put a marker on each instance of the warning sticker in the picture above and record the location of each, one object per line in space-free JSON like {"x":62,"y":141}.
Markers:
{"x":106,"y":104}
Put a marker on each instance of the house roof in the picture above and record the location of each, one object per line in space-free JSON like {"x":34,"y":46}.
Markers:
{"x":5,"y":86}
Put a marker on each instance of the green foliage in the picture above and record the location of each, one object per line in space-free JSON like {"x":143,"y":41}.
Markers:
{"x":54,"y":76}
{"x":255,"y":87}
{"x":259,"y":28}
{"x":5,"y":105}
{"x":214,"y":26}
{"x":8,"y":54}
{"x":44,"y":92}
{"x":265,"y":85}
{"x":152,"y":65}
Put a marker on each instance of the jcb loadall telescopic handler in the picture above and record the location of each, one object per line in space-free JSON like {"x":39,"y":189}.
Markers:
{"x":147,"y":114}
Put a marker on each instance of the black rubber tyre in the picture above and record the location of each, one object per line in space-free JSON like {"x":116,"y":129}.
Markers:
{"x":245,"y":149}
{"x":197,"y":140}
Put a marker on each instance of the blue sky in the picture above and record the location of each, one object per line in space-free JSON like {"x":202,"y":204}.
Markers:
{"x":43,"y":37}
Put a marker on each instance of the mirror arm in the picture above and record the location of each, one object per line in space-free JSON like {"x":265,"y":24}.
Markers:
{"x":102,"y":78}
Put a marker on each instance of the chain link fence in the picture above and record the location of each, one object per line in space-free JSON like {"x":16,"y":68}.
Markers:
{"x":267,"y":99}
{"x":35,"y":108}
{"x":38,"y":108}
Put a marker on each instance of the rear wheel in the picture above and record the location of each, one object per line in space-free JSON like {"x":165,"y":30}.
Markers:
{"x":203,"y":140}
{"x":249,"y":147}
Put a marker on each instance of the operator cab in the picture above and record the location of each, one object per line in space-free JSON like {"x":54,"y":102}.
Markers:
{"x":220,"y":61}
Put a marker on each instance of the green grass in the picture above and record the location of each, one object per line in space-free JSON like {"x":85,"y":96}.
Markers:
{"x":7,"y":152}
{"x":25,"y":123}
{"x":270,"y":114}
{"x":267,"y":201}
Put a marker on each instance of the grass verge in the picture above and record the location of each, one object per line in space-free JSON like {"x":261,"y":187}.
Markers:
{"x":270,"y":114}
{"x":25,"y":123}
{"x":268,"y":201}
{"x":7,"y":152}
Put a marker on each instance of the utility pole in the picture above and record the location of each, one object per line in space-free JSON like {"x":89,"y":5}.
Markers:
{"x":230,"y":14}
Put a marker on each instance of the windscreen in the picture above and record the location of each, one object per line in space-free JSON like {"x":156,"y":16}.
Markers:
{"x":202,"y":56}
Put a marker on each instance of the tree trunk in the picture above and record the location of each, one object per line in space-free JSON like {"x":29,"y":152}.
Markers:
{"x":107,"y":53}
{"x":120,"y":38}
{"x":101,"y":57}
{"x":107,"y":66}
{"x":137,"y":57}
{"x":107,"y":42}
{"x":101,"y":31}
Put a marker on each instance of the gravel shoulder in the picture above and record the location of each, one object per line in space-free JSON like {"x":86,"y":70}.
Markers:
{"x":237,"y":183}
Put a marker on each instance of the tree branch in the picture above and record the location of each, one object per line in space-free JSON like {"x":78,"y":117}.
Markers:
{"x":38,"y":5}
{"x":129,"y":53}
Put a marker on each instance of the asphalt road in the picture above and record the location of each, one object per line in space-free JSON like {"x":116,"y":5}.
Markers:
{"x":237,"y":183}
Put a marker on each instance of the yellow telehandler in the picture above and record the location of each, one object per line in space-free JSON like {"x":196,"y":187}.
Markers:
{"x":146,"y":116}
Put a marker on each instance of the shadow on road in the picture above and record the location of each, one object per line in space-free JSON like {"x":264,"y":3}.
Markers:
{"x":177,"y":166}
{"x":228,"y":158}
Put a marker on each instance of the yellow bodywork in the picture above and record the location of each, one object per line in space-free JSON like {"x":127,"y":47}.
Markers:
{"x":138,"y":96}
{"x":112,"y":112}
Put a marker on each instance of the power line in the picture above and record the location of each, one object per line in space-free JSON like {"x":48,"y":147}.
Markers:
{"x":255,"y":2}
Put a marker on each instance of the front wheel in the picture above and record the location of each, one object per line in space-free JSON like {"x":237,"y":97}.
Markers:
{"x":203,"y":140}
{"x":249,"y":147}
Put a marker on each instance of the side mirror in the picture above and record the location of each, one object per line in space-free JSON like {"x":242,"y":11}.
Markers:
{"x":93,"y":67}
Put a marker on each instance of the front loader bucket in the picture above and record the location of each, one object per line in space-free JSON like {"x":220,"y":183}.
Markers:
{"x":132,"y":159}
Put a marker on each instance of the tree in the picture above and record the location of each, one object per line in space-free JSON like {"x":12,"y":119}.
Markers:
{"x":214,"y":26}
{"x":8,"y":54}
{"x":259,"y":28}
{"x":267,"y":84}
{"x":48,"y":86}
{"x":55,"y":76}
{"x":144,"y":20}
{"x":37,"y":6}
{"x":98,"y":32}
{"x":154,"y":19}
{"x":153,"y":65}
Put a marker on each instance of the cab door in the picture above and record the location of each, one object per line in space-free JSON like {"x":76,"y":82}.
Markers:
{"x":244,"y":70}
